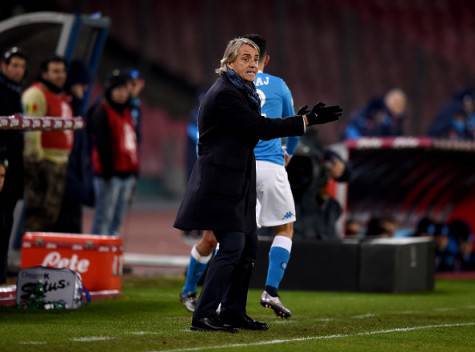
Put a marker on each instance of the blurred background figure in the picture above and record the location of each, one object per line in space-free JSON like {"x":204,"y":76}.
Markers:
{"x":382,"y":117}
{"x":312,"y":173}
{"x":456,"y":120}
{"x":426,"y":226}
{"x":46,"y":152}
{"x":136,"y":85}
{"x":79,"y":188}
{"x":353,"y":229}
{"x":6,"y":219}
{"x":115,"y":155}
{"x":384,"y":226}
{"x":461,"y":245}
{"x":456,"y":127}
{"x":192,"y":136}
{"x":12,"y":73}
{"x":395,"y":102}
{"x":76,"y":85}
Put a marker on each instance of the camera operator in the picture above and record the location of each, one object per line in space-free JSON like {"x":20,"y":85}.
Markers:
{"x":311,"y":171}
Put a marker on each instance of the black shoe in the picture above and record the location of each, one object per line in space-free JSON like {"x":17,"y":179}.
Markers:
{"x":211,"y":324}
{"x":246,"y":322}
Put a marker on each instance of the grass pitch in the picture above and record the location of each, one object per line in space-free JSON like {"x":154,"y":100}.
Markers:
{"x":148,"y":317}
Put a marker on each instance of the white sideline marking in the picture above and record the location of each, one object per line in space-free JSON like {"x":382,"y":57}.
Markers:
{"x":156,"y":260}
{"x":141,"y":333}
{"x":442,"y":309}
{"x":32,"y":342}
{"x":324,"y":319}
{"x":312,"y":338}
{"x":363,"y":316}
{"x":282,"y":322}
{"x":92,"y":338}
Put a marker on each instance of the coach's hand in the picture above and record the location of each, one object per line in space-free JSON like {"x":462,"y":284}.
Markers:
{"x":321,"y":114}
{"x":304,"y":110}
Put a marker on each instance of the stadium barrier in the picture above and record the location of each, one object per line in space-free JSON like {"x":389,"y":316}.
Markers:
{"x":44,"y":123}
{"x":379,"y":265}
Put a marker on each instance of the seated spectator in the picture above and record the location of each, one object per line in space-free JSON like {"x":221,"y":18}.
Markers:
{"x":456,"y":120}
{"x":382,"y":117}
{"x":443,"y":258}
{"x":457,"y":127}
{"x":454,"y":247}
{"x":469,"y":108}
{"x":353,"y":228}
{"x":460,"y":234}
{"x":384,"y":226}
{"x":426,"y":226}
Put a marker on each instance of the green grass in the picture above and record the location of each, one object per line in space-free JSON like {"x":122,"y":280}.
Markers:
{"x":148,"y":317}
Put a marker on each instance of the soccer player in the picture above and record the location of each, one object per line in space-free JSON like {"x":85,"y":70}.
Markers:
{"x":275,"y":203}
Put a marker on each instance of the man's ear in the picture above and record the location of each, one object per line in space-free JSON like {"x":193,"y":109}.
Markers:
{"x":266,"y":60}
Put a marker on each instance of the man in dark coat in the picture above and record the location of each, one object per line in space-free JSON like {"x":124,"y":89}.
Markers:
{"x":221,"y":192}
{"x":12,"y":71}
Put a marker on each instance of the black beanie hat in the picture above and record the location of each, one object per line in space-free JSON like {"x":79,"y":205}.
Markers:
{"x":116,"y":79}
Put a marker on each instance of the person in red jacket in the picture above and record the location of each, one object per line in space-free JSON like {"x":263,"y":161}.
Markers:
{"x":46,"y":153}
{"x":114,"y":156}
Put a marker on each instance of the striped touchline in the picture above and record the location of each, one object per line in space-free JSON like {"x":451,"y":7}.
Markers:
{"x":443,"y":309}
{"x":363,"y":316}
{"x":283,"y":322}
{"x":141,"y":333}
{"x":324,"y":337}
{"x":92,"y":338}
{"x":32,"y":342}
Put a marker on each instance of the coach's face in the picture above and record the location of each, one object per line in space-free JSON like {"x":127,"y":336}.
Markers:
{"x":246,"y":62}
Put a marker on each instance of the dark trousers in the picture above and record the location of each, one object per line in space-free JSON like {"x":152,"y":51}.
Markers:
{"x":6,"y":222}
{"x":229,"y":273}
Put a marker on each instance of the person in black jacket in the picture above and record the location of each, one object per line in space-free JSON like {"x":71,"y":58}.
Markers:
{"x":221,"y":192}
{"x":12,"y":72}
{"x":79,"y":189}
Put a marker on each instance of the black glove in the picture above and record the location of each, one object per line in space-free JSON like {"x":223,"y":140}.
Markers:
{"x":304,"y":110}
{"x":321,"y":114}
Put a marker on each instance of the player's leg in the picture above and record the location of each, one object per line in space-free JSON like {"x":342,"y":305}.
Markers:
{"x":276,"y":209}
{"x":199,"y":258}
{"x":279,"y":255}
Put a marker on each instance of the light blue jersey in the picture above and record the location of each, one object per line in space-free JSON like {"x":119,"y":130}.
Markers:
{"x":276,"y":102}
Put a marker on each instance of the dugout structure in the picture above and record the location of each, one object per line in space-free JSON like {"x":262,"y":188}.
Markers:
{"x":411,"y":177}
{"x":42,"y":34}
{"x":404,"y":177}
